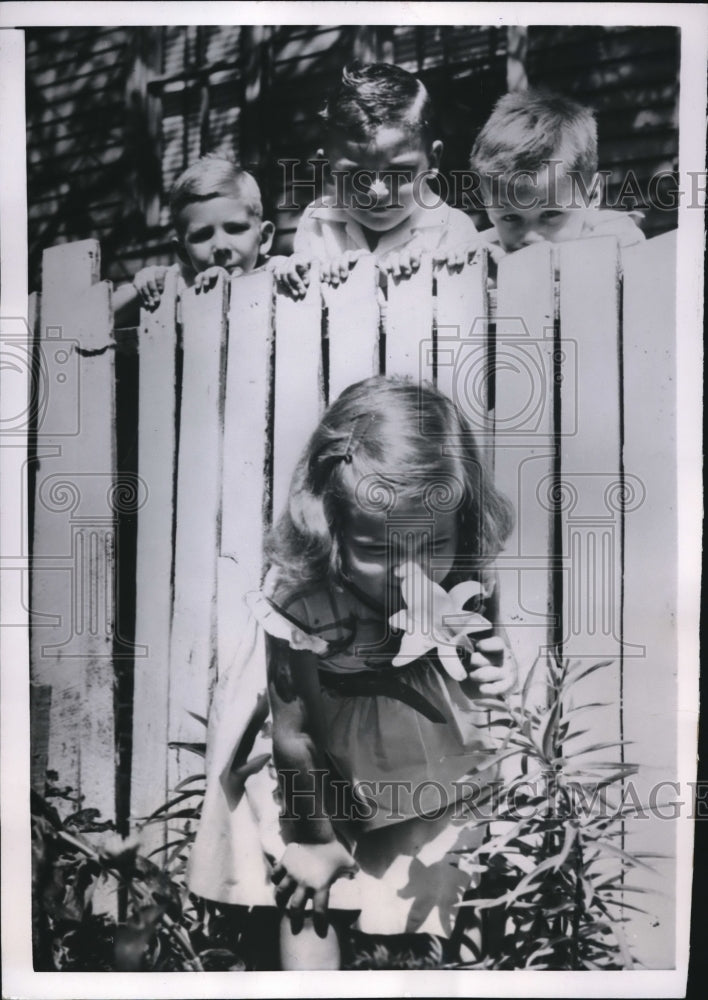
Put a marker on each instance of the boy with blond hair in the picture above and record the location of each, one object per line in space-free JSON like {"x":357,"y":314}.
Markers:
{"x":535,"y":162}
{"x":217,"y":214}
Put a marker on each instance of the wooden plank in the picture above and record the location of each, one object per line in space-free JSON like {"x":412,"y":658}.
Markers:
{"x":461,"y":310}
{"x":297,"y":384}
{"x":524,"y":445}
{"x":353,"y":327}
{"x":409,"y":323}
{"x":40,"y":702}
{"x":650,"y":568}
{"x":198,"y":507}
{"x":246,"y":491}
{"x":157,"y":462}
{"x":74,"y":527}
{"x":591,"y":471}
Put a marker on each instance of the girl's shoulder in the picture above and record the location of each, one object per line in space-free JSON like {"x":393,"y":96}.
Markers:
{"x":318,"y":617}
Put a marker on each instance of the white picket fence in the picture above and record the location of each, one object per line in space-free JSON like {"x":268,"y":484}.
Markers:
{"x":566,"y":372}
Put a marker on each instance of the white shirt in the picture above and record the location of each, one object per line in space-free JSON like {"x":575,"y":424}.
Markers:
{"x":325,"y":232}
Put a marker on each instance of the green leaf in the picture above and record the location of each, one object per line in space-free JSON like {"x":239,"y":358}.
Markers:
{"x":199,"y":718}
{"x":197,"y":748}
{"x":189,"y":781}
{"x":630,"y":859}
{"x":162,"y":810}
{"x":594,"y":747}
{"x":580,"y":671}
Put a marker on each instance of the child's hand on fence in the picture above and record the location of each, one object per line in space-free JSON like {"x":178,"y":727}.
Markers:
{"x":401,"y":263}
{"x":292,"y":274}
{"x":492,"y":667}
{"x":149,"y":283}
{"x":308,"y":870}
{"x":208,"y":278}
{"x":336,"y":271}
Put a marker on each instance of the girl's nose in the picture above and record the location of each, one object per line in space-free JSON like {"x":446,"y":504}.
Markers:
{"x":532,"y":236}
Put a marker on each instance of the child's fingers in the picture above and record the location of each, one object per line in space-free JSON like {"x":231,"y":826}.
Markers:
{"x":285,"y":890}
{"x":296,"y":908}
{"x":278,"y":874}
{"x":492,"y":649}
{"x":320,"y":905}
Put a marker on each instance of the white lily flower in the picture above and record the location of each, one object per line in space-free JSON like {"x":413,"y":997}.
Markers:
{"x":435,"y":619}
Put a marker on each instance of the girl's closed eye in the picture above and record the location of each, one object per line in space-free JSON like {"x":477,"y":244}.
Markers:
{"x":200,"y":235}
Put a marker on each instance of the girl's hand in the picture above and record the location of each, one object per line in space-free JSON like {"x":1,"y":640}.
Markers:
{"x":149,"y":283}
{"x":493,"y":668}
{"x":292,"y":274}
{"x":207,"y":279}
{"x":335,"y":272}
{"x":309,"y":870}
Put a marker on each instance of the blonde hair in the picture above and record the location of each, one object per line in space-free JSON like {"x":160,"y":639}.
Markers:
{"x":214,"y":176}
{"x":384,"y":439}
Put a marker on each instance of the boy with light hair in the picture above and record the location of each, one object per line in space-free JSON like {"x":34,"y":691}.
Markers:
{"x":217,"y":215}
{"x":536,"y":166}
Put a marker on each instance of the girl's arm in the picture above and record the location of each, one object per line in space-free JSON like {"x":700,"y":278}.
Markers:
{"x":293,"y":689}
{"x":314,"y":857}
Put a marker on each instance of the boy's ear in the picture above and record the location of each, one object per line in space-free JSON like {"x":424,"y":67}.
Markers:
{"x":435,"y":154}
{"x":180,"y":251}
{"x":267,"y":234}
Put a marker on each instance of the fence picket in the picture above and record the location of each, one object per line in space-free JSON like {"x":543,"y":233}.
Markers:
{"x":557,"y":388}
{"x":524,"y":444}
{"x":193,"y":639}
{"x":298,"y":387}
{"x":157,"y":461}
{"x":408,"y":321}
{"x":462,"y":345}
{"x":74,"y":528}
{"x":591,"y":470}
{"x":650,"y":554}
{"x":353,"y":327}
{"x":246,"y":489}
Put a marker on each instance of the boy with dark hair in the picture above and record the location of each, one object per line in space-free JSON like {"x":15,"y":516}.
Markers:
{"x":382,"y":150}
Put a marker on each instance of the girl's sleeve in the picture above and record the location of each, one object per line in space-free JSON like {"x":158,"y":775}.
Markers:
{"x":288,"y":626}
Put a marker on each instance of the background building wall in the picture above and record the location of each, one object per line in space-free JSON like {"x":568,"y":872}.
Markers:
{"x":114,"y":114}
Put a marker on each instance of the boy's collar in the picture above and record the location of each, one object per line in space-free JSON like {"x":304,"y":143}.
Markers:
{"x":421,"y":218}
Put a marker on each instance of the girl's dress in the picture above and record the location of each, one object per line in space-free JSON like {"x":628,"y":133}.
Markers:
{"x":406,"y":747}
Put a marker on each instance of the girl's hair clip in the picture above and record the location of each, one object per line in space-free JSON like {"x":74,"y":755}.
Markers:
{"x":351,"y":444}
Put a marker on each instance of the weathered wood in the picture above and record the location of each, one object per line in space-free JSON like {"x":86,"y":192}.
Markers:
{"x":353,"y":327}
{"x":40,"y":702}
{"x":246,"y":489}
{"x":157,"y":460}
{"x":591,"y":479}
{"x":650,"y":572}
{"x":198,"y":510}
{"x":74,"y":531}
{"x":461,"y":321}
{"x":524,"y":445}
{"x":409,"y":323}
{"x":298,"y":383}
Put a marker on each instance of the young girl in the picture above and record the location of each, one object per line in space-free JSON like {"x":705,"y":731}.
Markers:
{"x":374,"y":661}
{"x":382,"y":150}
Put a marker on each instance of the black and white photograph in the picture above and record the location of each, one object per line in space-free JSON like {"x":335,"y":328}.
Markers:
{"x":351,"y":497}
